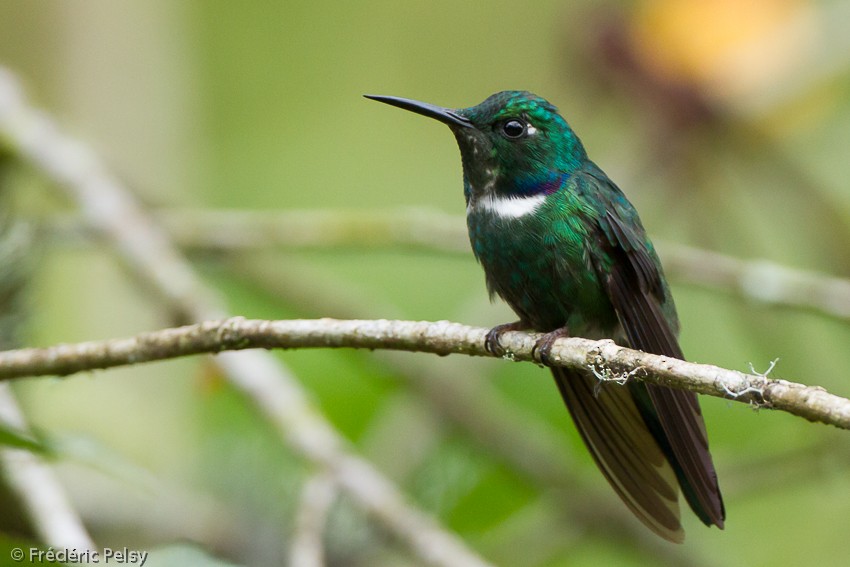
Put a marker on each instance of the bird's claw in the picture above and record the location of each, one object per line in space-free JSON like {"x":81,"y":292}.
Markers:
{"x":542,"y":349}
{"x":491,"y":341}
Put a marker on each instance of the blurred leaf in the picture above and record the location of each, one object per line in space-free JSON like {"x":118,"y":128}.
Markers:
{"x":17,"y":439}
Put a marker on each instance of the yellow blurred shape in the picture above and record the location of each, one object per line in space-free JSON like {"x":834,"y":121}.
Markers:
{"x":730,"y":48}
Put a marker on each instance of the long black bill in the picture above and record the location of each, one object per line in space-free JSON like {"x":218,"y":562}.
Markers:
{"x":445,"y":115}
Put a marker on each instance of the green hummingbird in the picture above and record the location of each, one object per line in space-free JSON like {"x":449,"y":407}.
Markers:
{"x":561,"y":244}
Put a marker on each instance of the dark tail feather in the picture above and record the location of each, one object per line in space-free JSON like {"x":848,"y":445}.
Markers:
{"x":673,"y":416}
{"x":684,"y":439}
{"x":615,"y":432}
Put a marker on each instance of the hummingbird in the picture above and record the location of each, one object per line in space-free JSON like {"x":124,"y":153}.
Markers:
{"x":562,"y":245}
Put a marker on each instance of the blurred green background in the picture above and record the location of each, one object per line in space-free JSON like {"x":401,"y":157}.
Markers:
{"x":726,"y":123}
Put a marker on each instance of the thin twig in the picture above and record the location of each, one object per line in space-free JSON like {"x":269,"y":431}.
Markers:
{"x":607,"y":360}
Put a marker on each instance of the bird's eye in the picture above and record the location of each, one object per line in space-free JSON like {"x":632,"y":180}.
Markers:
{"x":514,"y":129}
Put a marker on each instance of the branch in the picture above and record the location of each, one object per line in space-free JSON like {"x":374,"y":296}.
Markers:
{"x":604,"y":358}
{"x":235,"y":231}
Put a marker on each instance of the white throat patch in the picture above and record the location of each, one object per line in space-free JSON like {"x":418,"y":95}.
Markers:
{"x":509,"y":207}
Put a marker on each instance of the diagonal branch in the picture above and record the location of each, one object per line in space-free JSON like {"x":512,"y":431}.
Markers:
{"x":604,"y":358}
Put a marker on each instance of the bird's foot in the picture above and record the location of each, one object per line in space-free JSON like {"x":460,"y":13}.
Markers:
{"x":491,"y":342}
{"x":543,"y":348}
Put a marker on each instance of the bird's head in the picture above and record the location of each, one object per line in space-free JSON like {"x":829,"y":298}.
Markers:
{"x":510,"y":143}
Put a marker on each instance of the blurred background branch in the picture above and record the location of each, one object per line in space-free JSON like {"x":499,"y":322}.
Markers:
{"x":237,"y":232}
{"x":318,"y":495}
